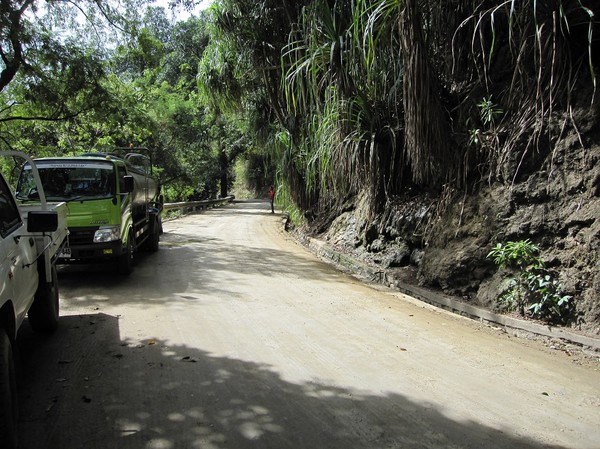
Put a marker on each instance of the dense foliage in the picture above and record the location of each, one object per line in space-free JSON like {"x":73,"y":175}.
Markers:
{"x":390,"y":95}
{"x":94,"y":76}
{"x":333,"y":97}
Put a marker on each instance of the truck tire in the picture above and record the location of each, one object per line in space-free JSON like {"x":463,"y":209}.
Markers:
{"x":8,"y":393}
{"x":153,"y":239}
{"x":125,"y":265}
{"x":43,"y":314}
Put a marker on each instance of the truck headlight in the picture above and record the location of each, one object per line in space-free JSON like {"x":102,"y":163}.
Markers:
{"x":107,"y":234}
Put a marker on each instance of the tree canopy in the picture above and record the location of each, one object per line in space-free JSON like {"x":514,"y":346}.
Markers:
{"x":328,"y":97}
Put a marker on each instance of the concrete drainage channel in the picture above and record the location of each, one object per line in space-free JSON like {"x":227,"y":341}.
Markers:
{"x":378,"y":275}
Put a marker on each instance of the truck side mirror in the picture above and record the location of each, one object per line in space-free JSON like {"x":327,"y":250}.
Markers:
{"x":42,"y":221}
{"x":127,"y":185}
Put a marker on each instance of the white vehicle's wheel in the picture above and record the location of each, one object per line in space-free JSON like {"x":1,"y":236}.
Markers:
{"x":8,"y":394}
{"x":43,"y":314}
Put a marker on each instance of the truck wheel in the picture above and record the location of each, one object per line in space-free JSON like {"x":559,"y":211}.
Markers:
{"x":125,"y":265}
{"x":43,"y":314}
{"x":8,"y":394}
{"x":152,"y":242}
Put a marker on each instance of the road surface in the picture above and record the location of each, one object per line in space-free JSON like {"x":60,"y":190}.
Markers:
{"x":233,"y":336}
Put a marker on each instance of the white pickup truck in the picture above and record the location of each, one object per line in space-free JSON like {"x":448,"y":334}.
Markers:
{"x":30,"y":238}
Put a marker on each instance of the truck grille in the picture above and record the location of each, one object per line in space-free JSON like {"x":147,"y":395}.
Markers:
{"x":81,"y":236}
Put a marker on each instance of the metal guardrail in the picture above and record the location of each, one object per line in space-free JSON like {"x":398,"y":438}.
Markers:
{"x":192,"y":206}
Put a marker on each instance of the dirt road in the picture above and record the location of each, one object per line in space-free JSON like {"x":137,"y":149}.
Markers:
{"x":233,"y":336}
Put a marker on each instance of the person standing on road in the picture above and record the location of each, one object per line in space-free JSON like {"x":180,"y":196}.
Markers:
{"x":272,"y":198}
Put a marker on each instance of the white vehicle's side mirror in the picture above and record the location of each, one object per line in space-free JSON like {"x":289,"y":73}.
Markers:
{"x":42,"y":221}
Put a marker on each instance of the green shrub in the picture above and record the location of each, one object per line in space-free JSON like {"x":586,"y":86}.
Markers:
{"x":532,"y":287}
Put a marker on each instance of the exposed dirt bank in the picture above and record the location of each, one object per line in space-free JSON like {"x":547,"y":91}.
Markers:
{"x":442,"y":243}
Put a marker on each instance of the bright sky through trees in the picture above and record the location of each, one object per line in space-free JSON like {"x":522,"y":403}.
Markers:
{"x":181,"y":13}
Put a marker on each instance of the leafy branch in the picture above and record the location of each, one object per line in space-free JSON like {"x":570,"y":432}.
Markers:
{"x":531,"y":287}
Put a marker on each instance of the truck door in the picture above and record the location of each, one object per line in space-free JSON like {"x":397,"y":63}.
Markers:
{"x":18,"y":279}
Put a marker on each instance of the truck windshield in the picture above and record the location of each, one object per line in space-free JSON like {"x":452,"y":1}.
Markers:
{"x":64,"y":181}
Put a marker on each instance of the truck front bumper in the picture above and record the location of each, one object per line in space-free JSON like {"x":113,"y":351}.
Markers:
{"x":82,"y":248}
{"x":94,"y":251}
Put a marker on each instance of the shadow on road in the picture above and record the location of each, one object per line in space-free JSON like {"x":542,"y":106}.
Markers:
{"x":85,"y":387}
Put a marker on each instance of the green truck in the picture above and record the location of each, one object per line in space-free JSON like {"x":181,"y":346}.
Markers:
{"x":114,"y":204}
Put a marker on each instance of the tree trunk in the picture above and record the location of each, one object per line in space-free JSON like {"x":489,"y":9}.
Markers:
{"x":224,"y":166}
{"x":11,"y":48}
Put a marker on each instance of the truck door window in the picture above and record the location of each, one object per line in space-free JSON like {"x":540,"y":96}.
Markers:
{"x":10,"y":218}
